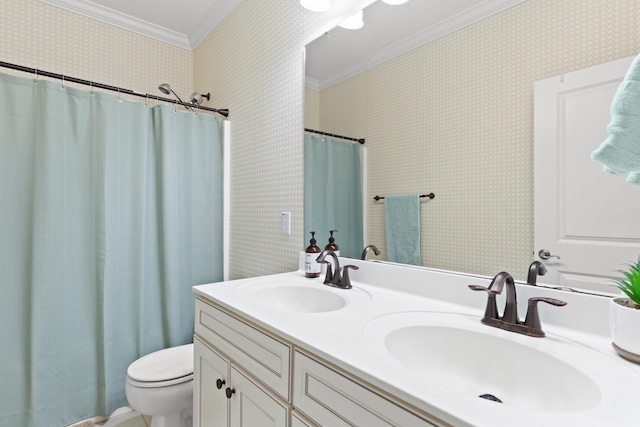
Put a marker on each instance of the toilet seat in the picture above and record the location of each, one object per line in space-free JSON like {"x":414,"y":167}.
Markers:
{"x":162,"y":368}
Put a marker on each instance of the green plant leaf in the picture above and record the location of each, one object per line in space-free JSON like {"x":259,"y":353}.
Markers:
{"x":631,"y":286}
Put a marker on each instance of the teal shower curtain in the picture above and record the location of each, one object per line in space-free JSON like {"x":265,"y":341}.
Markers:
{"x":111,"y":211}
{"x":333,"y":193}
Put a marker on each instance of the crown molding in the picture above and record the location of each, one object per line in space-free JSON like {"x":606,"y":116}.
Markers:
{"x":311,"y":83}
{"x":121,"y":20}
{"x":468,"y":17}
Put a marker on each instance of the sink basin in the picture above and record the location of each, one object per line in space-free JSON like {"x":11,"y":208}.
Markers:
{"x":298,"y":299}
{"x":300,"y":295}
{"x":474,"y":360}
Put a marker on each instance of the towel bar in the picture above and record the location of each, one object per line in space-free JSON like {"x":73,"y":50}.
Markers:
{"x":430,"y":195}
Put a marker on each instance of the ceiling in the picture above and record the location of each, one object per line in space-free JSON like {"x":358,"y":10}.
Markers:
{"x":389,"y":31}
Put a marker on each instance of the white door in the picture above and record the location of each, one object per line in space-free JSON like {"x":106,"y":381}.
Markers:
{"x":587,"y":218}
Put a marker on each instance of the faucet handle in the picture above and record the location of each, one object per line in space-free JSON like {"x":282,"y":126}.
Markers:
{"x":491,"y":311}
{"x":329,"y":276}
{"x":346,"y":283}
{"x":533,"y":317}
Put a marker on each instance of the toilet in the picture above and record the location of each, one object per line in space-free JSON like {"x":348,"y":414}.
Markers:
{"x":160,"y":385}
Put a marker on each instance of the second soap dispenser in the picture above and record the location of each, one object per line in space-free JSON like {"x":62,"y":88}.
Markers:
{"x":332,"y":244}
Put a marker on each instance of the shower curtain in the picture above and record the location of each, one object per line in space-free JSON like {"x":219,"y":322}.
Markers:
{"x":111,"y":211}
{"x":333,"y":193}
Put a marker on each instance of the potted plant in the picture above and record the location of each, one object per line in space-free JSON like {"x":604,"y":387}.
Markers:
{"x":624,"y":318}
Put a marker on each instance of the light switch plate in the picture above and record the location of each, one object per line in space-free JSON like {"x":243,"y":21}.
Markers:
{"x":286,"y":222}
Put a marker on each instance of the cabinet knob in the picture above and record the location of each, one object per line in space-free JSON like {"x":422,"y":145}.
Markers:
{"x":230,"y":392}
{"x":219,"y":383}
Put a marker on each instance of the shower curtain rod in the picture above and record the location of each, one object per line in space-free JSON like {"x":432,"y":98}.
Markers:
{"x":223,"y":112}
{"x":360,"y":140}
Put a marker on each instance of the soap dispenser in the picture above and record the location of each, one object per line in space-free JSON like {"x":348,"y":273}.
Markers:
{"x":311,"y":267}
{"x":332,"y":244}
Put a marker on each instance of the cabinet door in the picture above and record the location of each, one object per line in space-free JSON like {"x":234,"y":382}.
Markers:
{"x":258,"y":353}
{"x":254,"y":407}
{"x":300,"y":421}
{"x":210,"y":405}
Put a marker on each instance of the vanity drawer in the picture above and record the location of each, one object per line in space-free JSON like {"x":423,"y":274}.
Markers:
{"x":261,"y":355}
{"x":330,"y":398}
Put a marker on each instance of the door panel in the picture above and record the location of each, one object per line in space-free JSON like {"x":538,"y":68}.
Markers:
{"x":253,"y":407}
{"x":210,"y":409}
{"x":590,"y":219}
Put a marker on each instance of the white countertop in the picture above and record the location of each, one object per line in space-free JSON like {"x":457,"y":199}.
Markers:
{"x":349,"y":338}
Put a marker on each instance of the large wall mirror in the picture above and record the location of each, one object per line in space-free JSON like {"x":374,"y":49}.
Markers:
{"x":446,"y":107}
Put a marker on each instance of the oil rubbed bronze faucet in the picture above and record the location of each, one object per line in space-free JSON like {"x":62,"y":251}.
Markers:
{"x":535,"y":269}
{"x":509,"y":320}
{"x":335,"y":279}
{"x":367,"y":248}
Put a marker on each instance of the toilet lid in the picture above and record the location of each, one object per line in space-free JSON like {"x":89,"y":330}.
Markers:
{"x":163,"y":365}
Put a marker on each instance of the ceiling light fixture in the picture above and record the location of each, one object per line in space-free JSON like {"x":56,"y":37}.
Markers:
{"x":316,"y":5}
{"x":395,"y":2}
{"x":354,"y":22}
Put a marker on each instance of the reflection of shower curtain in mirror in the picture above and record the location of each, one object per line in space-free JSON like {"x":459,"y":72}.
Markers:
{"x":333,"y":192}
{"x":111,"y":211}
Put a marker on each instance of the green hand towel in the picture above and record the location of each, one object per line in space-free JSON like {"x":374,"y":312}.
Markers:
{"x":620,"y":152}
{"x":402,"y":228}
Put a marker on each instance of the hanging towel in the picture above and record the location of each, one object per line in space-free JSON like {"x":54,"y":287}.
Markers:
{"x":402,"y":228}
{"x":620,"y":152}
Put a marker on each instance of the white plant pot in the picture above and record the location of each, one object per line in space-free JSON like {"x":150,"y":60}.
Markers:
{"x":624,"y":324}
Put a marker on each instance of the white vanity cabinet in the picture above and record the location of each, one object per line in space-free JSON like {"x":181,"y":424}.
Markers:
{"x":302,"y":354}
{"x":252,"y":406}
{"x":332,"y":398}
{"x":227,"y":397}
{"x":241,"y":373}
{"x":210,"y":371}
{"x":243,"y":377}
{"x":298,"y":420}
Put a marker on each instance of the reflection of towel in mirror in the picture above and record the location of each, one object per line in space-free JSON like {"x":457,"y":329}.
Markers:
{"x":402,"y":228}
{"x":620,"y":152}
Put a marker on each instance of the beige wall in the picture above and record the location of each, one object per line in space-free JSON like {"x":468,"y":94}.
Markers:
{"x":41,"y":36}
{"x":312,"y":109}
{"x":254,"y":64}
{"x":455,"y":117}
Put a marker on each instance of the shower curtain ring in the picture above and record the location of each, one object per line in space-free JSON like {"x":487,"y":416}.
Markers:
{"x":62,"y":85}
{"x":35,"y":80}
{"x":91,"y":90}
{"x":119,"y":98}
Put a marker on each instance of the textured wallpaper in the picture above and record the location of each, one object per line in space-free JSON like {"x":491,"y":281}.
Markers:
{"x":312,"y":109}
{"x":253,"y":63}
{"x":38,"y":35}
{"x":455,"y":117}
